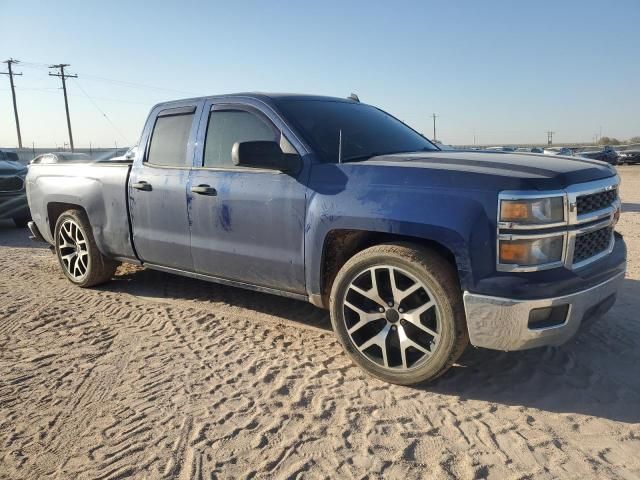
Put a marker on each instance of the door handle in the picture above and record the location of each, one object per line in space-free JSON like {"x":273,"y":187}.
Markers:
{"x":142,"y":185}
{"x":204,"y":190}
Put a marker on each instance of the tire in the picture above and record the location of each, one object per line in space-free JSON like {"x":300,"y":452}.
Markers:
{"x":421,"y":341}
{"x":21,"y":222}
{"x":81,"y":261}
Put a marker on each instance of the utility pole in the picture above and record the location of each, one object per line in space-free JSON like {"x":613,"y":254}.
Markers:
{"x":550,"y":137}
{"x":434,"y":126}
{"x":63,"y":76}
{"x":9,"y":63}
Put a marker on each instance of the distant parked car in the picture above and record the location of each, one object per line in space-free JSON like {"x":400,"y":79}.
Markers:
{"x":627,"y":157}
{"x":606,"y":154}
{"x":530,"y":150}
{"x":13,"y":198}
{"x":128,"y":156}
{"x":109,"y":155}
{"x":501,"y":149}
{"x":61,"y":157}
{"x":11,"y":156}
{"x":444,"y":146}
{"x":566,"y":151}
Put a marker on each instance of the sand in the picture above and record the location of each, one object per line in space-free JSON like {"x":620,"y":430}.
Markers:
{"x":157,"y":376}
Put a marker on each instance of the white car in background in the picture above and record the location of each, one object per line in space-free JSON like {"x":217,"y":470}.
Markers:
{"x":128,"y":156}
{"x":566,"y":151}
{"x":61,"y":157}
{"x":504,"y":148}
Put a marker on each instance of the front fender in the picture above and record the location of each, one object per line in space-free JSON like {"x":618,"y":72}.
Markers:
{"x":458,"y":220}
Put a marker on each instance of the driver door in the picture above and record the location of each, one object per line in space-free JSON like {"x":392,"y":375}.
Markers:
{"x":247,"y":224}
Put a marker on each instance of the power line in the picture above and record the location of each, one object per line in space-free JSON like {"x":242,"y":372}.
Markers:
{"x":64,"y":76}
{"x":100,"y":110}
{"x":9,"y":63}
{"x":47,"y":89}
{"x":55,"y":90}
{"x":114,"y":81}
{"x":137,"y":85}
{"x":123,"y":83}
{"x":34,"y":64}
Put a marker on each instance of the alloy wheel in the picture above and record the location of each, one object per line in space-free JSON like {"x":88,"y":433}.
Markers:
{"x":73,"y":250}
{"x":391,"y":318}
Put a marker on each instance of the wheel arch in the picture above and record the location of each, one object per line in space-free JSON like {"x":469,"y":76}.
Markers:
{"x":340,"y":245}
{"x":55,"y":209}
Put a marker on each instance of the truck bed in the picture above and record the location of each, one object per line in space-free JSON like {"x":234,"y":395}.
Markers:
{"x":100,"y":188}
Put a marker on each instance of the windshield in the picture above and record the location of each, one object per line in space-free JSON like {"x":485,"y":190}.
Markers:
{"x":9,"y":156}
{"x":366,"y":131}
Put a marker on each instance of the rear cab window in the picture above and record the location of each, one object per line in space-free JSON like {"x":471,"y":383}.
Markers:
{"x":170,"y":137}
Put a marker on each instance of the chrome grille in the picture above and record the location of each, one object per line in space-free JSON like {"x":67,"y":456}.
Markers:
{"x":11,"y":184}
{"x":596,"y":201}
{"x":591,"y":244}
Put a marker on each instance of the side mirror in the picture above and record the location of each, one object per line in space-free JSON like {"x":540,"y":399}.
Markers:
{"x":262,"y":154}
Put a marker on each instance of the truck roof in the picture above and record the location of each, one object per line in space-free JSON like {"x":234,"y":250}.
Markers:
{"x":269,"y":98}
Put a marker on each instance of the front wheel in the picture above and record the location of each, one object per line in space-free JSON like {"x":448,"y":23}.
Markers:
{"x":81,"y":261}
{"x":397,"y":311}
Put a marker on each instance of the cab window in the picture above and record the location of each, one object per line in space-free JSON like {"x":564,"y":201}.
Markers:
{"x":227,"y":127}
{"x":168,"y":146}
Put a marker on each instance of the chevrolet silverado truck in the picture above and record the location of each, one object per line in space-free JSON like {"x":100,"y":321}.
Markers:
{"x":415,"y":251}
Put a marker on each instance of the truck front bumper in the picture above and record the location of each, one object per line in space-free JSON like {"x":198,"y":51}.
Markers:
{"x":510,"y":324}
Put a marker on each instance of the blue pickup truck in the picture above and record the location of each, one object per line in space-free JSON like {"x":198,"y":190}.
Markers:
{"x":416,"y":251}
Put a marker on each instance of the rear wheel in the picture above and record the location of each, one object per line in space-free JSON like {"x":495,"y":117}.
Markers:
{"x":397,"y":310}
{"x":81,"y":261}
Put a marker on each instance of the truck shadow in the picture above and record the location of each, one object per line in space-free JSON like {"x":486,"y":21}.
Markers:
{"x":164,"y":287}
{"x":11,"y":236}
{"x":595,"y":373}
{"x":630,"y":207}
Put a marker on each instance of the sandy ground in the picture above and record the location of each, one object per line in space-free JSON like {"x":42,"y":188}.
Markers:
{"x":157,"y":376}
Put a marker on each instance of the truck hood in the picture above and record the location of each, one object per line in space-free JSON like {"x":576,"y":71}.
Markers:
{"x":8,"y":167}
{"x":492,"y":170}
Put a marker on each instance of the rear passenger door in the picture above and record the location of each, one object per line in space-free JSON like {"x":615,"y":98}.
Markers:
{"x":158,"y":187}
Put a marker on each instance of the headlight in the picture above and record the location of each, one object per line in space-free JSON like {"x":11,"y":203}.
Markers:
{"x":531,"y":252}
{"x":534,"y":211}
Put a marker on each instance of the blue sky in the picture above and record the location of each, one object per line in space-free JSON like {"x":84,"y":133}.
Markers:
{"x":505,"y":72}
